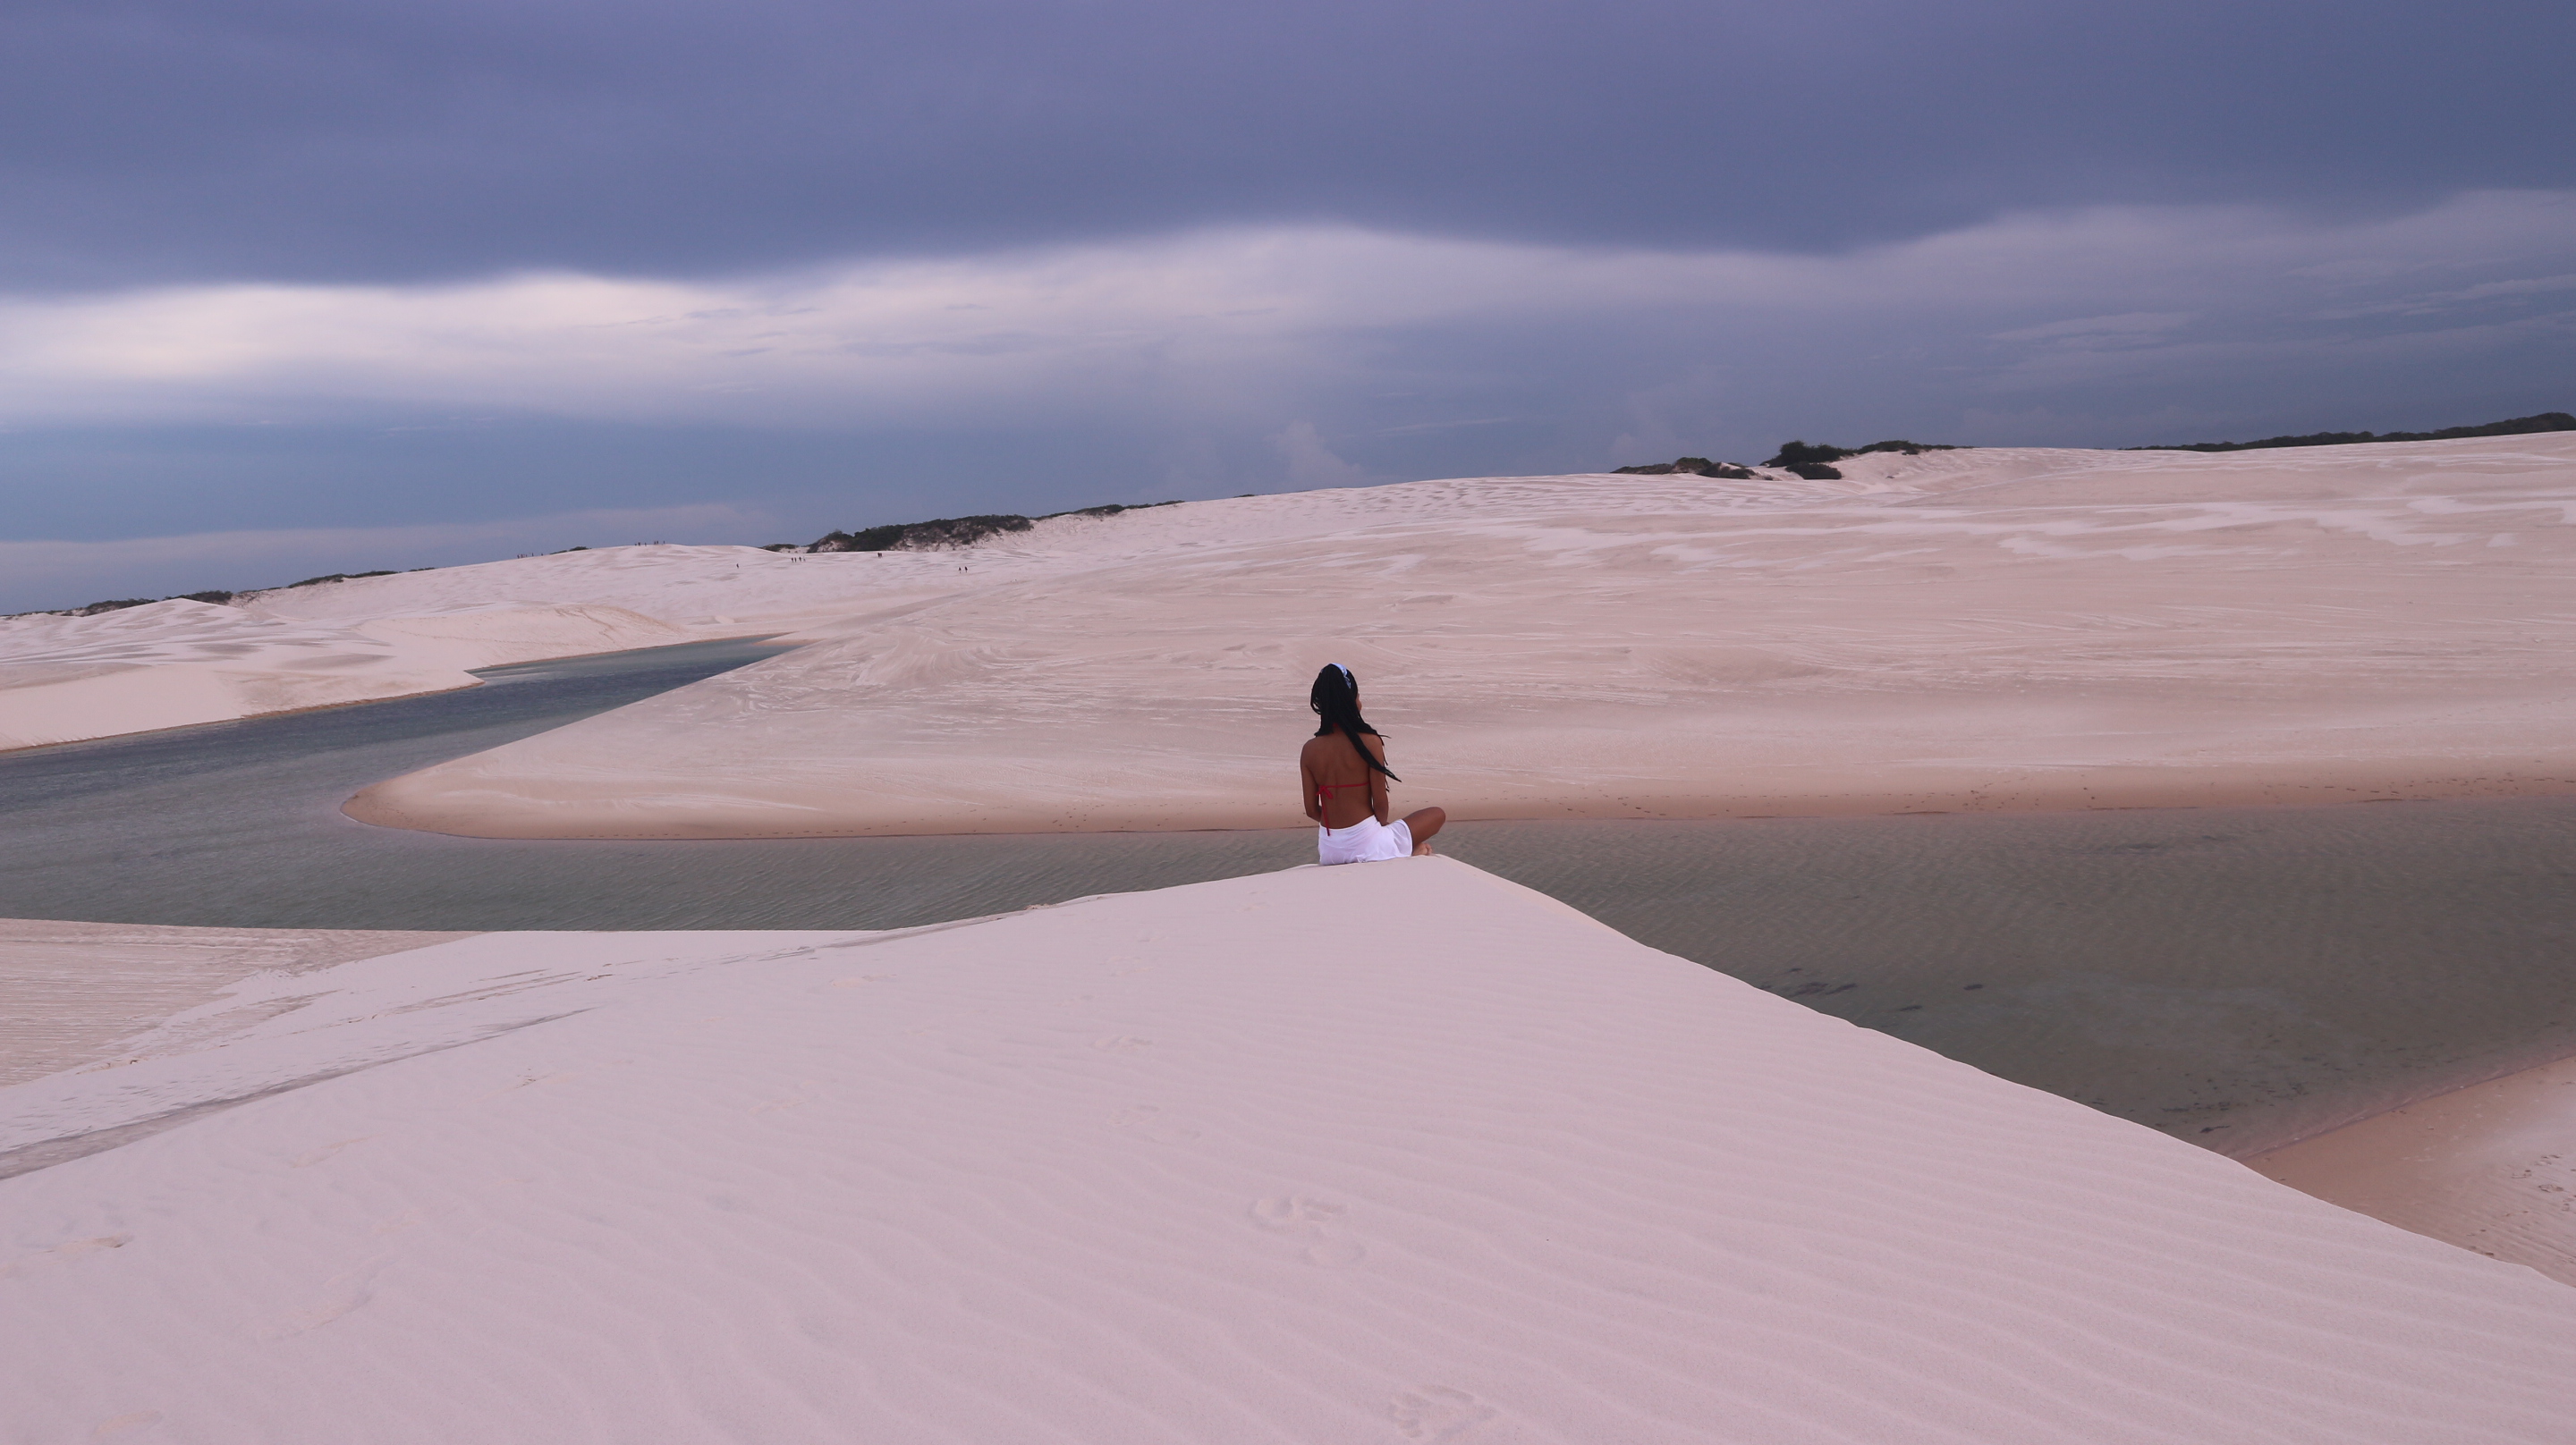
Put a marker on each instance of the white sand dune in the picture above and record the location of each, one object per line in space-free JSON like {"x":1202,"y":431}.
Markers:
{"x":1390,"y":1153}
{"x":707,"y":591}
{"x":2000,"y":628}
{"x":175,"y":663}
{"x":368,"y":639}
{"x":70,"y":992}
{"x":2491,"y":1167}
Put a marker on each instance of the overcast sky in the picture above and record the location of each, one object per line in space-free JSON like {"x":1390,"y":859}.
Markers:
{"x":292,"y":287}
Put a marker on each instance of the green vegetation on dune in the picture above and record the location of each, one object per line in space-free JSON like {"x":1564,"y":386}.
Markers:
{"x":909,"y":536}
{"x":1794,"y":454}
{"x":1812,"y":460}
{"x":948,"y":531}
{"x":1687,"y":466}
{"x":119,"y":604}
{"x":2546,"y":421}
{"x":893,"y":537}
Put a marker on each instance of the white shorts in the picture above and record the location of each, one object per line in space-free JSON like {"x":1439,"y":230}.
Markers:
{"x":1366,"y":841}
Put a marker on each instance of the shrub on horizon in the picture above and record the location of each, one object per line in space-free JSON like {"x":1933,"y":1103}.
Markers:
{"x":1792,"y":454}
{"x":955,"y":531}
{"x":2546,"y":421}
{"x":1796,"y":454}
{"x":1693,"y":466}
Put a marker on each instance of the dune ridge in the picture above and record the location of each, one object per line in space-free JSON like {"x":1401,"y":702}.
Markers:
{"x":71,"y":992}
{"x":1163,"y":1167}
{"x":1957,"y":631}
{"x":177,"y":663}
{"x":2490,"y":1167}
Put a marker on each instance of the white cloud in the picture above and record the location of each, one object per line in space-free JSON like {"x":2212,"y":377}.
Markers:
{"x":1236,"y":326}
{"x":2433,"y":301}
{"x":1313,"y":466}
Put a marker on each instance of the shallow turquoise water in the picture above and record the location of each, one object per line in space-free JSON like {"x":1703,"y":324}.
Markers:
{"x":2233,"y":976}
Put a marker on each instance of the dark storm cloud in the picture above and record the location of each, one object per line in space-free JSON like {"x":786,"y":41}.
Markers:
{"x":351,"y":141}
{"x":295,"y":287}
{"x":160,"y":442}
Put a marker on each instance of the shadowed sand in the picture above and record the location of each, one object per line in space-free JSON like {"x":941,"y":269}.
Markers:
{"x":1973,"y":630}
{"x":1155,"y":1167}
{"x":69,"y":992}
{"x":2491,"y":1168}
{"x":178,"y":663}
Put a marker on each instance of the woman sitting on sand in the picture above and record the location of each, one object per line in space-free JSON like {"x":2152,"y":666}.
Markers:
{"x":1343,"y":772}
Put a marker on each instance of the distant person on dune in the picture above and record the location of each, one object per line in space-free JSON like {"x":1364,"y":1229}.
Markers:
{"x":1342,"y":770}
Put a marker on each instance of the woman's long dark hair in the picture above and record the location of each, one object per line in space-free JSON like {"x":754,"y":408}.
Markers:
{"x":1336,"y":699}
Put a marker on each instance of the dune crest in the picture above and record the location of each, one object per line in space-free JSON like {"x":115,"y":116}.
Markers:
{"x":177,"y":663}
{"x":1985,"y":629}
{"x":1156,"y":1167}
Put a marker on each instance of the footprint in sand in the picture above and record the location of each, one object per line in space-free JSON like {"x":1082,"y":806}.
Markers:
{"x":1290,"y":1212}
{"x":109,"y":1429}
{"x":308,"y":1160}
{"x":1335,"y":1253}
{"x":73,"y":1250}
{"x":1147,"y":1122}
{"x":530,"y":1078}
{"x":1121,"y":1044}
{"x":340,"y":1294}
{"x":806,"y":1092}
{"x":1314,"y":1221}
{"x":1436,"y":1412}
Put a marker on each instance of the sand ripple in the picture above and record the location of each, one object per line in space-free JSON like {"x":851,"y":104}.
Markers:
{"x":1397,"y":1152}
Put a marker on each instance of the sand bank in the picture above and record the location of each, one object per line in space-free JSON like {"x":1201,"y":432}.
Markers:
{"x":2490,"y":1168}
{"x":369,"y":639}
{"x":70,"y":992}
{"x":1959,"y":631}
{"x":177,"y":663}
{"x":1158,"y":1167}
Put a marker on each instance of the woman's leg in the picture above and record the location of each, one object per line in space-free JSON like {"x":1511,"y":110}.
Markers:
{"x":1422,"y":823}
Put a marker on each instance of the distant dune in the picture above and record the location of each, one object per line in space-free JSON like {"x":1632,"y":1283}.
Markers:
{"x":1960,"y":630}
{"x":170,"y":664}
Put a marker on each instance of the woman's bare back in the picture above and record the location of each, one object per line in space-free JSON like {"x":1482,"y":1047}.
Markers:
{"x":1340,"y":789}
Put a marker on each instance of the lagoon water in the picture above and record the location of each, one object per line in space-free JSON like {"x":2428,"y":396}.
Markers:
{"x":2237,"y":977}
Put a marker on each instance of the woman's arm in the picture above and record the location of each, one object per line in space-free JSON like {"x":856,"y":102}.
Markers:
{"x":1376,"y":779}
{"x":1314,"y":797}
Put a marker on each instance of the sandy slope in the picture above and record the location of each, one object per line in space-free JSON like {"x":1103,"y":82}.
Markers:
{"x":69,"y":992}
{"x":371,"y":638}
{"x":2490,"y":1168}
{"x":710,"y":591}
{"x":1980,"y":629}
{"x":1159,"y":1167}
{"x":174,"y":663}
